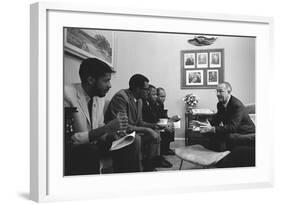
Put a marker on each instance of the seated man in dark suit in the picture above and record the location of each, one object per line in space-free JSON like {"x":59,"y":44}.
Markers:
{"x":169,"y":135}
{"x":130,"y":102}
{"x":231,"y":118}
{"x":151,"y":114}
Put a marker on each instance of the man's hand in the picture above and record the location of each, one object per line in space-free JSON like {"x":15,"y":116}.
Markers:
{"x":170,"y":127}
{"x":199,"y":124}
{"x":159,"y":127}
{"x":175,"y":118}
{"x":118,"y":123}
{"x":80,"y":138}
{"x":113,"y":125}
{"x":152,"y":133}
{"x":207,"y":128}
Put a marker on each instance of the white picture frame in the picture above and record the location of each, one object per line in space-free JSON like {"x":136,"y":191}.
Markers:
{"x":212,"y":77}
{"x":189,"y":60}
{"x":202,"y":60}
{"x":47,"y":182}
{"x":194,"y":77}
{"x":215,"y":59}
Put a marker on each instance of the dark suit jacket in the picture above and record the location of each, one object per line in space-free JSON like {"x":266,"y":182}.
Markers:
{"x":234,"y":117}
{"x":149,"y":112}
{"x":162,"y":112}
{"x":124,"y":101}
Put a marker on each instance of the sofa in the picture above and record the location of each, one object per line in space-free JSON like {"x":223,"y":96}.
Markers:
{"x":236,"y":139}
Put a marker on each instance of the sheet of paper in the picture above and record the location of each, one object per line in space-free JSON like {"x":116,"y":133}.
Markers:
{"x":123,"y":142}
{"x":177,"y":125}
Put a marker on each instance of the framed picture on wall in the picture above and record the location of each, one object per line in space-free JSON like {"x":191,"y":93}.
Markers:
{"x":212,"y":77}
{"x":48,"y":21}
{"x":87,"y":43}
{"x":205,"y":61}
{"x":202,"y":60}
{"x":194,"y":77}
{"x":215,"y":59}
{"x":189,"y":60}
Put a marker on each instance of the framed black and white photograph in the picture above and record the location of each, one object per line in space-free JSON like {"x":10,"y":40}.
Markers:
{"x":194,"y":77}
{"x":212,"y":77}
{"x":215,"y":59}
{"x":189,"y":60}
{"x":202,"y":60}
{"x":94,"y":70}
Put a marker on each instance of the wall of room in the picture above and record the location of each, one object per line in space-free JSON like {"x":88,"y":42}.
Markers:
{"x":157,"y":56}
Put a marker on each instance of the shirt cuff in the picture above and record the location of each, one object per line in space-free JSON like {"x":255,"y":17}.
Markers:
{"x":92,"y":139}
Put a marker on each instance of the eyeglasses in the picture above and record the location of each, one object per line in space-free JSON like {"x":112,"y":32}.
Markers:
{"x":221,"y":91}
{"x":146,"y":89}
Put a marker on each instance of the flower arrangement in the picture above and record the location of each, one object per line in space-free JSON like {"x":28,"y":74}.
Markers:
{"x":191,"y":100}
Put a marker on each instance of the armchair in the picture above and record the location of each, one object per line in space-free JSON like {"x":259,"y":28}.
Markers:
{"x":236,"y":139}
{"x":237,"y":145}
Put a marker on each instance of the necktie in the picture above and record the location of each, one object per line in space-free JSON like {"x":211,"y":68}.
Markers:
{"x":90,"y":105}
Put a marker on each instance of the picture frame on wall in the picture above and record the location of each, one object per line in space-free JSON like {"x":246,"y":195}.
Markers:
{"x":87,"y":43}
{"x":212,"y":77}
{"x":47,"y":181}
{"x":215,"y":59}
{"x":189,"y":60}
{"x":202,"y":60}
{"x":205,"y":61}
{"x":194,"y":77}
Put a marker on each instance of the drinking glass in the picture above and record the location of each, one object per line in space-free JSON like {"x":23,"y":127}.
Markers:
{"x":123,"y":118}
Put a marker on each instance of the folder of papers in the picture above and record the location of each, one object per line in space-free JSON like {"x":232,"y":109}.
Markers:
{"x":202,"y":111}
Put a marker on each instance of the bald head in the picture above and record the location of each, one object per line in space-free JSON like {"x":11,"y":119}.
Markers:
{"x":161,"y":95}
{"x":223,"y":92}
{"x":226,"y":85}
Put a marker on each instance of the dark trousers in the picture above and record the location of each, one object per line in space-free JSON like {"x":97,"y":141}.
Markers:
{"x":240,"y":156}
{"x":128,"y":159}
{"x":166,"y":139}
{"x":223,"y":142}
{"x":84,"y":159}
{"x":217,"y":142}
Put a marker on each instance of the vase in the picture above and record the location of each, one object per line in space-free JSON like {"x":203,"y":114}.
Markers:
{"x":189,"y":108}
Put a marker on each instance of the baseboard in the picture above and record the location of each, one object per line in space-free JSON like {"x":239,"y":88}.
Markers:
{"x":179,"y":138}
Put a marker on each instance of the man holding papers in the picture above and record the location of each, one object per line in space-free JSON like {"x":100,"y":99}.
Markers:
{"x":130,"y":101}
{"x":92,"y":138}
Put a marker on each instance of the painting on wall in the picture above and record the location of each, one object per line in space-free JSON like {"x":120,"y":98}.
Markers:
{"x":86,"y":43}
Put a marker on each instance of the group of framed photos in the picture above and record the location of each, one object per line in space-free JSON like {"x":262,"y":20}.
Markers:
{"x":202,"y":68}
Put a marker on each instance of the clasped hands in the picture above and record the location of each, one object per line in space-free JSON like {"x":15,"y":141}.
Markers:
{"x":168,"y":127}
{"x":175,"y":118}
{"x":205,"y":127}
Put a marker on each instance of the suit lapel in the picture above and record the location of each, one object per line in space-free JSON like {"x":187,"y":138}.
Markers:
{"x":84,"y":105}
{"x":139,"y":109}
{"x":228,"y":109}
{"x":132,"y":102}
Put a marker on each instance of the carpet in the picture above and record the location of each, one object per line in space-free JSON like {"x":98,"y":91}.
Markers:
{"x":175,"y":161}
